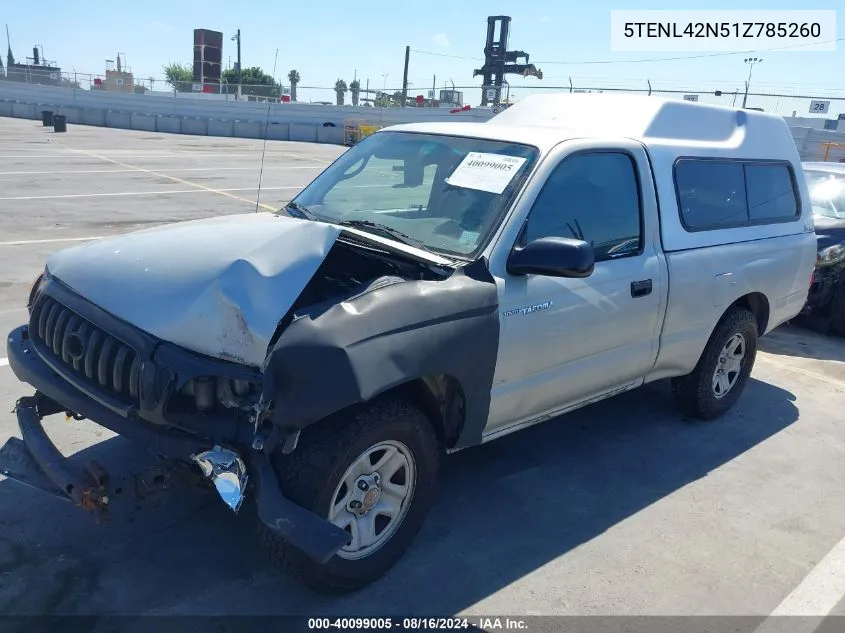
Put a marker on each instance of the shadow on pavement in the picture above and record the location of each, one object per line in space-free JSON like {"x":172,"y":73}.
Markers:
{"x":796,"y":340}
{"x":504,"y":510}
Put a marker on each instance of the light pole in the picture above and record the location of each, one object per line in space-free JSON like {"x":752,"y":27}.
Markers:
{"x":750,"y":61}
{"x":237,"y":38}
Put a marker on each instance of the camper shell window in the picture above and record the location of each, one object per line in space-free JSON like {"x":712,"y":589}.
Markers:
{"x":725,"y":193}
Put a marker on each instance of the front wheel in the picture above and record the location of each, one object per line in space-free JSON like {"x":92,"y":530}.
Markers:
{"x":723,"y":369}
{"x":371,"y":472}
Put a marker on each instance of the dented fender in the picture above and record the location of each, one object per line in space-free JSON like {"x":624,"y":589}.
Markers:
{"x":332,"y":357}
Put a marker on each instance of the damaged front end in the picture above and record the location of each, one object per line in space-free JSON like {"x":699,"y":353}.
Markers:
{"x":229,"y":465}
{"x":86,"y":361}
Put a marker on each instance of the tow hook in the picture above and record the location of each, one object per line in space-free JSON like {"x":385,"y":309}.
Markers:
{"x":227,"y":472}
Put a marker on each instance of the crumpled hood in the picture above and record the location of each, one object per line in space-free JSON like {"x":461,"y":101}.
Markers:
{"x":217,"y":286}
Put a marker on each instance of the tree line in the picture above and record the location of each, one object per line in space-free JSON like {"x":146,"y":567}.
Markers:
{"x":255,"y":82}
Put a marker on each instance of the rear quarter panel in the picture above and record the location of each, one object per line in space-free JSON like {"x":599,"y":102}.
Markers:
{"x":704,"y":282}
{"x":710,"y":269}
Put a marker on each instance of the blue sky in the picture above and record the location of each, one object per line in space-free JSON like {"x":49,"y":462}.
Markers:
{"x":331,"y":39}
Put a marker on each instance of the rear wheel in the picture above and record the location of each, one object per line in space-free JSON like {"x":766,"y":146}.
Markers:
{"x":371,"y":472}
{"x":723,"y":369}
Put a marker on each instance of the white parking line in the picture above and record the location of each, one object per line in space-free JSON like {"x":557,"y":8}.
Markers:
{"x":817,"y":595}
{"x":179,"y":155}
{"x":4,"y":362}
{"x":123,"y":171}
{"x":319,"y":160}
{"x":49,"y":241}
{"x":143,"y":193}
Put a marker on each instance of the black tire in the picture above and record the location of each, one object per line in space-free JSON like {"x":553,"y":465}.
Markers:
{"x":310,"y":475}
{"x":694,"y":393}
{"x":837,"y":310}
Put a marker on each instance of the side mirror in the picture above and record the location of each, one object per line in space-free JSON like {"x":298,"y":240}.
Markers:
{"x":554,"y":257}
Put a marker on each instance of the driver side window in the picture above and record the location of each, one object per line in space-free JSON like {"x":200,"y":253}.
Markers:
{"x":595,"y":197}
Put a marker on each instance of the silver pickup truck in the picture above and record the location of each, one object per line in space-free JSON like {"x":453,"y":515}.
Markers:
{"x":438,"y":286}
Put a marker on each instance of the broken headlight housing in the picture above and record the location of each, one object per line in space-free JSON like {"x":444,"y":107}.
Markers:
{"x":32,"y":290}
{"x":207,"y":392}
{"x":831,"y":255}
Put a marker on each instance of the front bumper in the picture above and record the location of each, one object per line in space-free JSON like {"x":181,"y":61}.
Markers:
{"x":37,"y":462}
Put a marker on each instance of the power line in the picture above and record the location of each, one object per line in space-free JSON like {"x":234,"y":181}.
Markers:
{"x":477,"y":59}
{"x":642,"y":61}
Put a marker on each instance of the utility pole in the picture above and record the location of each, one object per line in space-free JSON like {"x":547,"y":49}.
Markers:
{"x":433,"y":88}
{"x":750,"y":61}
{"x":405,"y":77}
{"x":237,"y":37}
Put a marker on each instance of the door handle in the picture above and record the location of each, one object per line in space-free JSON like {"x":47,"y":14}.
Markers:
{"x":641,"y":288}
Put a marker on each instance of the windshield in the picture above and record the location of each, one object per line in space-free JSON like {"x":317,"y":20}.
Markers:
{"x":444,"y":193}
{"x":827,"y":193}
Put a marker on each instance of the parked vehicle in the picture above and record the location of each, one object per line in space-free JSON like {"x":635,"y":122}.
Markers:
{"x":438,"y":286}
{"x":826,"y":301}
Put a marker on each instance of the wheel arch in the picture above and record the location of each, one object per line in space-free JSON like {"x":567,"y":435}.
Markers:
{"x":755,"y":302}
{"x":441,"y":397}
{"x":758,"y":304}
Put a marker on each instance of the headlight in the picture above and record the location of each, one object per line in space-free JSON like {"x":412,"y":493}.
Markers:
{"x":831,"y":255}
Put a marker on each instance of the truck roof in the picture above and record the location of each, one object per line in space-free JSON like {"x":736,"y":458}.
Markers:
{"x":544,"y":120}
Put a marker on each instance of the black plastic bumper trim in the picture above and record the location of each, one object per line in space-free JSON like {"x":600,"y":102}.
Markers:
{"x":313,"y":535}
{"x":83,"y":486}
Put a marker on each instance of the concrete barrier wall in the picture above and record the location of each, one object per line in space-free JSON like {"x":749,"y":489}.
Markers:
{"x":121,"y":120}
{"x":169,"y":124}
{"x":333,"y":135}
{"x":242,"y":110}
{"x":143,"y":122}
{"x":279,"y":132}
{"x":24,"y":110}
{"x":300,"y":121}
{"x":74,"y":116}
{"x":190,"y":114}
{"x":303,"y":132}
{"x":247,"y":129}
{"x":94,"y":117}
{"x":195,"y":126}
{"x":221,"y":127}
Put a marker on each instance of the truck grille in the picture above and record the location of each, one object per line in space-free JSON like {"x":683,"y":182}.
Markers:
{"x":86,"y":349}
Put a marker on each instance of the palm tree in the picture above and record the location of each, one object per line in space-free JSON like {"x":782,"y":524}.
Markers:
{"x":355,"y":89}
{"x":293,"y":78}
{"x":340,"y":89}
